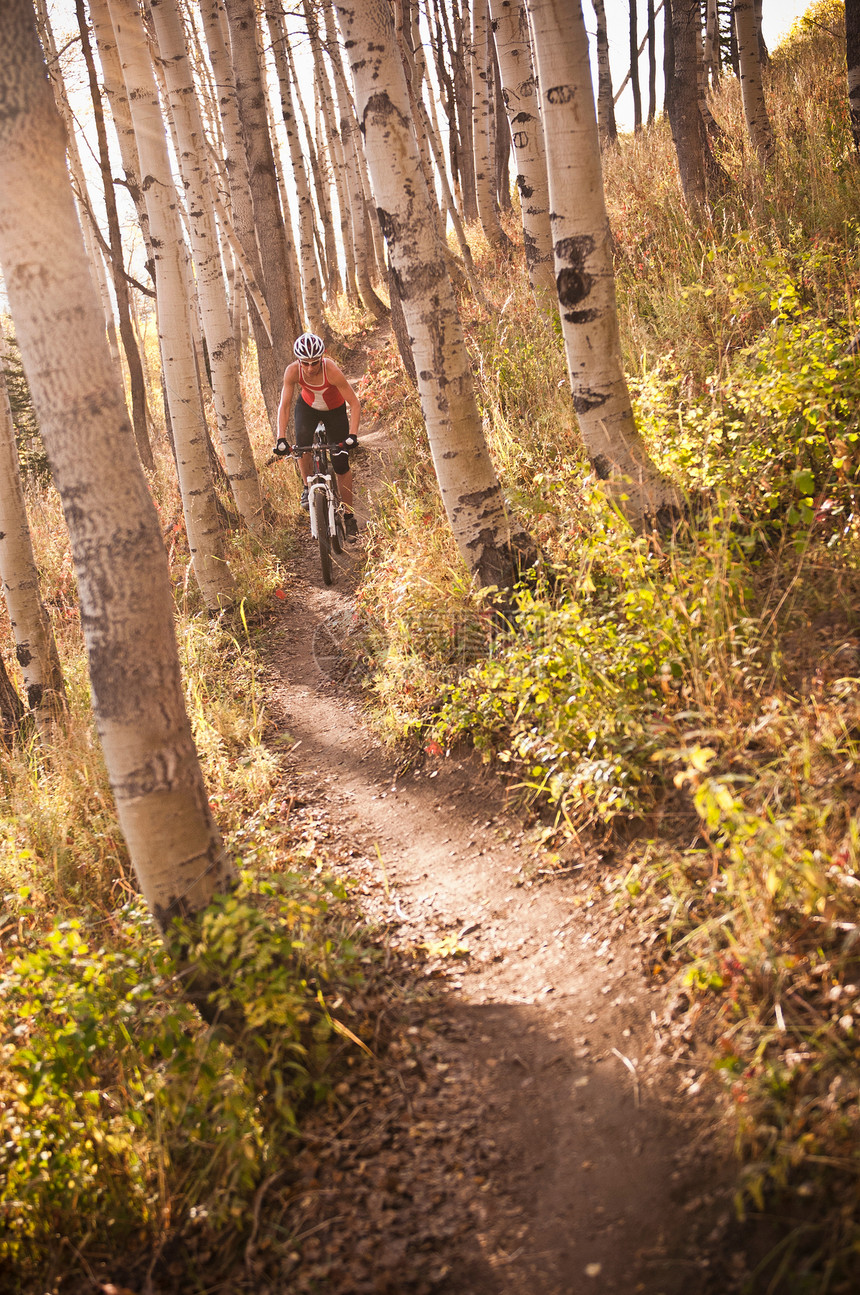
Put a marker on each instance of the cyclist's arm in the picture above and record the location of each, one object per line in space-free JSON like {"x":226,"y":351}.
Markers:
{"x":346,"y":390}
{"x":290,"y":374}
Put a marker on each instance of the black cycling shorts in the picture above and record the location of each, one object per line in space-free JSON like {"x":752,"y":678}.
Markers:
{"x":337,"y":429}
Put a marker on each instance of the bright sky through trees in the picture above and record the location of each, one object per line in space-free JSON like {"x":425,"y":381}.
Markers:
{"x":777,"y":18}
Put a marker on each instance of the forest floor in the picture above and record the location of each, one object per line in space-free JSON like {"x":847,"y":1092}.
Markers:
{"x":536,"y":1118}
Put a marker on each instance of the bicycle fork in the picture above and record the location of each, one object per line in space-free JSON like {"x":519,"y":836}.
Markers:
{"x":315,"y":484}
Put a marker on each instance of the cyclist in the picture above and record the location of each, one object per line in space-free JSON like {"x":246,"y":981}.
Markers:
{"x":324,"y":393}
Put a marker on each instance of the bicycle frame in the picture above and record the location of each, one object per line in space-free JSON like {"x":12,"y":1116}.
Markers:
{"x":327,"y":523}
{"x":323,"y":478}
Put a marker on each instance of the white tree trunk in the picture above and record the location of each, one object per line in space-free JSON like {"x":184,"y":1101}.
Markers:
{"x":241,"y":203}
{"x":76,"y":169}
{"x":279,"y":285}
{"x":606,"y":123}
{"x":217,"y":327}
{"x":311,"y":287}
{"x":123,"y":583}
{"x":35,"y":647}
{"x":426,"y":128}
{"x":118,"y":98}
{"x":174,"y":311}
{"x":348,"y":133}
{"x":470,"y":490}
{"x":280,"y":173}
{"x":323,"y":171}
{"x":752,"y":88}
{"x":509,"y":24}
{"x":235,"y":165}
{"x":482,"y":98}
{"x":322,"y":88}
{"x":584,"y":271}
{"x":711,"y":52}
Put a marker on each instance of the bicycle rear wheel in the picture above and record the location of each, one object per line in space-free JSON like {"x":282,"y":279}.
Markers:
{"x":321,"y":519}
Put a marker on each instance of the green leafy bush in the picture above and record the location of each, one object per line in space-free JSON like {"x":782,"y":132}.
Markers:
{"x":121,"y":1110}
{"x":577,"y":696}
{"x":780,"y":430}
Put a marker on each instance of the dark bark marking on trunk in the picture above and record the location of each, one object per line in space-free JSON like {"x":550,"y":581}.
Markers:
{"x":585,"y":401}
{"x":573,"y":281}
{"x":421,"y":282}
{"x":602,"y":466}
{"x":475,"y":500}
{"x":526,"y":190}
{"x":581,"y":316}
{"x":532,"y":250}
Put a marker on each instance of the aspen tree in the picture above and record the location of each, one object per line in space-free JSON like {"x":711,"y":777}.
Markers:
{"x":278,"y":287}
{"x":217,"y":327}
{"x":190,"y":434}
{"x":120,"y":283}
{"x":426,"y":134}
{"x":695,"y":161}
{"x":281,"y":177}
{"x":12,"y":711}
{"x":481,"y":117}
{"x":323,"y":171}
{"x":584,"y":270}
{"x":311,"y":287}
{"x":458,"y":44}
{"x":711,"y":125}
{"x":752,"y":87}
{"x":711,"y":53}
{"x":409,"y":45}
{"x":509,"y":23}
{"x":470,"y":490}
{"x":501,"y":137}
{"x":123,"y":582}
{"x":76,"y":169}
{"x":420,"y":63}
{"x":322,"y":87}
{"x":651,"y":33}
{"x":450,"y":206}
{"x":605,"y":103}
{"x":235,"y":215}
{"x":437,"y":19}
{"x":348,"y":136}
{"x":114,"y":85}
{"x":35,"y":646}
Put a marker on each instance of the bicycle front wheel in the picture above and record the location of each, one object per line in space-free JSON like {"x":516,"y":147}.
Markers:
{"x":321,"y":519}
{"x":338,"y":535}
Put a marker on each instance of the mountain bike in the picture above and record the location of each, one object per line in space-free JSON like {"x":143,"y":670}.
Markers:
{"x":324,"y":502}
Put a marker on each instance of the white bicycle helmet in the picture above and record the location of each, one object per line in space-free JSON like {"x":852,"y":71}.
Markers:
{"x":308,"y":347}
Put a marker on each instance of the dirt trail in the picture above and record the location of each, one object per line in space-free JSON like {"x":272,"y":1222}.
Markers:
{"x":575,"y":1157}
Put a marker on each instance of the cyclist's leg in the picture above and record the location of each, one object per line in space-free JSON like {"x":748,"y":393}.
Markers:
{"x":344,"y":483}
{"x":337,"y":428}
{"x":306,"y":420}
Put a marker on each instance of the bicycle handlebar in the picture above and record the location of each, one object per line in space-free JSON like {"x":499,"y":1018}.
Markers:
{"x":298,"y":450}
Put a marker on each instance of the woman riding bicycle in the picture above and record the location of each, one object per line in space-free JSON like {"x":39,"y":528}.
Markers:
{"x":324,"y":394}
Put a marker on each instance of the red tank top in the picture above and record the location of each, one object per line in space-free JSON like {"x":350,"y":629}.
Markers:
{"x":325,"y":396}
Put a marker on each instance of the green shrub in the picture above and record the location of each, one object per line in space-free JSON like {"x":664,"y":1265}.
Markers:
{"x":121,"y":1111}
